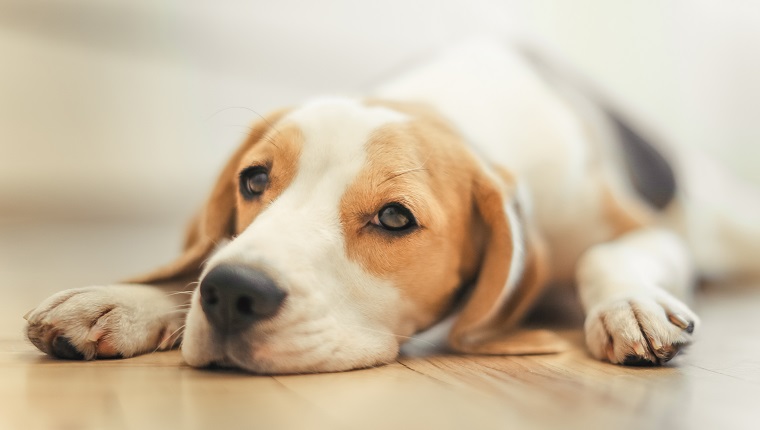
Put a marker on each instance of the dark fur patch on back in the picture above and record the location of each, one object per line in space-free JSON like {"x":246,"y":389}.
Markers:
{"x":649,"y":171}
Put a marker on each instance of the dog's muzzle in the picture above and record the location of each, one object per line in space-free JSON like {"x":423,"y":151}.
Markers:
{"x":233,"y":297}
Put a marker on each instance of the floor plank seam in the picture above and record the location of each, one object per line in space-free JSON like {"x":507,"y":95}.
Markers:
{"x":423,"y":374}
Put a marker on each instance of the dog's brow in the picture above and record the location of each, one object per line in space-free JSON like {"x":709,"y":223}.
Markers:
{"x":395,"y":175}
{"x":404,"y":172}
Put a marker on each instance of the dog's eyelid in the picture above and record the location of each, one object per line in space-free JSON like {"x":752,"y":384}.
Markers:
{"x":374,"y":220}
{"x":394,"y":217}
{"x":264,"y":165}
{"x":409,"y":204}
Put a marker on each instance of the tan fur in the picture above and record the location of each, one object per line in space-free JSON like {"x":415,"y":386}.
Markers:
{"x":278,"y":150}
{"x":473,"y":331}
{"x":622,"y":213}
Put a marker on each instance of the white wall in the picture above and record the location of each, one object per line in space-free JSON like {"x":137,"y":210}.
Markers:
{"x":127,"y":108}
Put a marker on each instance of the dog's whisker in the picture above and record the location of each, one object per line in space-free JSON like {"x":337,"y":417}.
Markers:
{"x":182,"y":306}
{"x":263,"y":118}
{"x":234,"y":107}
{"x":178,"y":332}
{"x":180,"y":292}
{"x":166,"y":341}
{"x":270,"y":139}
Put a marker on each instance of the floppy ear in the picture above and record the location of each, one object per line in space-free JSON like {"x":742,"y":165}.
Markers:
{"x":512,"y":274}
{"x":216,"y":219}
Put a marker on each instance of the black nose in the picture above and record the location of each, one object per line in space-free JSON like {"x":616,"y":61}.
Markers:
{"x":234,"y":296}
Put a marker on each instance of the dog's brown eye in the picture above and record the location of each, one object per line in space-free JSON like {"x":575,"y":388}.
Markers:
{"x":253,"y":181}
{"x":394,"y":217}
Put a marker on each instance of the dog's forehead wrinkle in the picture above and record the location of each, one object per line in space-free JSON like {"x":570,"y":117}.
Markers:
{"x":396,"y":174}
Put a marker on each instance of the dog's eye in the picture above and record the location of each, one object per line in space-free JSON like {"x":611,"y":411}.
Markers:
{"x":253,"y":181}
{"x":394,"y":217}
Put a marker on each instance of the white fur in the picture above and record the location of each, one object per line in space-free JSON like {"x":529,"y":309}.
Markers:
{"x":517,"y":265}
{"x":336,"y":316}
{"x":140,"y":319}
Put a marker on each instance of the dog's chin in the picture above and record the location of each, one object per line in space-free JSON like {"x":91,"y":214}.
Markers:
{"x":291,"y":364}
{"x":262,"y":359}
{"x":285,"y":353}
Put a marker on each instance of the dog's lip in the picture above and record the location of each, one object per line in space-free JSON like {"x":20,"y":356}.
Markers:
{"x":269,"y":366}
{"x":267,"y":358}
{"x":231,"y":359}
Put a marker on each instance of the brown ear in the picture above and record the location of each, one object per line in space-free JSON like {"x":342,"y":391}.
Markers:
{"x":512,"y":274}
{"x":216,"y":219}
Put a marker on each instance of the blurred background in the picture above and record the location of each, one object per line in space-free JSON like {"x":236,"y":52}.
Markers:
{"x":126,"y":109}
{"x":121,"y":112}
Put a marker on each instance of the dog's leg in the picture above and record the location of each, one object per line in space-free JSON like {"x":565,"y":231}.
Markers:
{"x":628,"y":288}
{"x":107,"y":322}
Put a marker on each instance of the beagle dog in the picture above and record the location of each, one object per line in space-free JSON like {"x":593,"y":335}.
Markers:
{"x":456,"y":191}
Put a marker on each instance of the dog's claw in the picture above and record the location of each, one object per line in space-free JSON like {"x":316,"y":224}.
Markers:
{"x":639,"y":331}
{"x":681,"y":322}
{"x":668,"y":353}
{"x":637,"y":360}
{"x":690,"y":328}
{"x":639,"y":349}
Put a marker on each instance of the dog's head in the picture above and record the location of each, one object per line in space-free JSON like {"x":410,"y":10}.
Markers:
{"x":346,"y":227}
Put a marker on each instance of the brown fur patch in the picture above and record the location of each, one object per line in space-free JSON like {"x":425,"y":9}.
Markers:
{"x":621,"y":213}
{"x":423,"y":165}
{"x":279,"y":150}
{"x":491,"y":311}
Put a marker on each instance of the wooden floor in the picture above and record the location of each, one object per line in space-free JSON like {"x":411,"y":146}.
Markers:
{"x":716,"y":385}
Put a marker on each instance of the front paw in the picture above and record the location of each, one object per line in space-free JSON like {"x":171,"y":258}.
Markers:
{"x":104,"y":322}
{"x":640,"y":330}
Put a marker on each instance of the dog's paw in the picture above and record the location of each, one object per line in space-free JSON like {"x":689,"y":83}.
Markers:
{"x":640,"y":330}
{"x":104,"y":322}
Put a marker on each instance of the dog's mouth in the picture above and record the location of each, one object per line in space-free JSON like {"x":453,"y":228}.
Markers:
{"x":286,"y":345}
{"x":267,"y":359}
{"x":262,"y":362}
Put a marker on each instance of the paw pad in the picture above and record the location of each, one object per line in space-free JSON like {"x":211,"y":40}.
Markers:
{"x":61,"y":347}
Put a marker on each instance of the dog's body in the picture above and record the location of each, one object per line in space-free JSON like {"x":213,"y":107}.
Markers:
{"x":463,"y":187}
